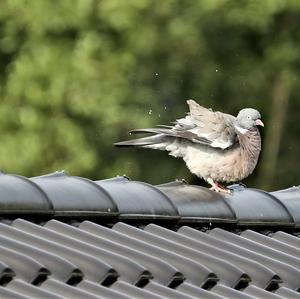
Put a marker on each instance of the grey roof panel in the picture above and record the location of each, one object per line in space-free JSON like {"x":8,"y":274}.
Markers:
{"x":127,"y":269}
{"x":94,"y":269}
{"x":226,"y":272}
{"x":230,"y":293}
{"x":5,"y":293}
{"x":257,"y":245}
{"x":166,"y":292}
{"x":162,"y":272}
{"x":260,"y":293}
{"x":291,"y":200}
{"x":194,"y":272}
{"x":288,"y":268}
{"x":33,"y":292}
{"x":99,"y":290}
{"x":76,"y":195}
{"x":257,"y":207}
{"x":287,"y":238}
{"x":259,"y":274}
{"x":196,"y":203}
{"x":137,"y":199}
{"x":288,"y":273}
{"x":19,"y":195}
{"x":271,"y":243}
{"x":59,"y":267}
{"x":192,"y":290}
{"x":24,"y":266}
{"x":287,"y":293}
{"x":134,"y":292}
{"x":145,"y":241}
{"x":66,"y":291}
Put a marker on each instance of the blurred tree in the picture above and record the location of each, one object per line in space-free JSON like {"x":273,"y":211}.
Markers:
{"x":76,"y":75}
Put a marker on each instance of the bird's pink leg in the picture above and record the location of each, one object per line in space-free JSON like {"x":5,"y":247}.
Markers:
{"x":218,"y":187}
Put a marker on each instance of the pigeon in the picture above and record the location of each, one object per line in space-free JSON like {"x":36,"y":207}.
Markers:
{"x":217,"y":147}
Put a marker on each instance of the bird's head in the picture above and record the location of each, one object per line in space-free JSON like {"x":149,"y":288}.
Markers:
{"x":248,"y":118}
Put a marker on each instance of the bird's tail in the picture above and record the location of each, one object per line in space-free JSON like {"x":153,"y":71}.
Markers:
{"x":160,"y":139}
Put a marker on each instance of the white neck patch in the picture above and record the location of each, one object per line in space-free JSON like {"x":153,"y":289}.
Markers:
{"x":241,"y":130}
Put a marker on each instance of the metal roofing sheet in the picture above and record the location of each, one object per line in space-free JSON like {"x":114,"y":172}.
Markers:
{"x":192,"y":290}
{"x":260,"y":274}
{"x":67,"y":291}
{"x":162,"y":272}
{"x":228,"y":273}
{"x":134,"y":292}
{"x":5,"y":293}
{"x":98,"y":289}
{"x":24,"y":266}
{"x":260,"y":293}
{"x":166,"y":292}
{"x":193,"y":271}
{"x":130,"y":271}
{"x":287,"y":293}
{"x":19,"y":286}
{"x":93,"y":268}
{"x":59,"y":267}
{"x":287,"y":266}
{"x":211,"y":263}
{"x":287,"y":239}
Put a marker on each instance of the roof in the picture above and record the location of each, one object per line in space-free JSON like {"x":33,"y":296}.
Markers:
{"x":69,"y":237}
{"x":60,"y":195}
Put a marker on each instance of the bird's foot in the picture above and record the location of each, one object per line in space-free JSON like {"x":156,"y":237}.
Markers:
{"x":219,"y":188}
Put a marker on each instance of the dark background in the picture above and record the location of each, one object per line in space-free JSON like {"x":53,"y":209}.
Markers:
{"x":76,"y":75}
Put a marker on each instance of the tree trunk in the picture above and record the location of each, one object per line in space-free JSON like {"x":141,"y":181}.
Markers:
{"x":271,"y":144}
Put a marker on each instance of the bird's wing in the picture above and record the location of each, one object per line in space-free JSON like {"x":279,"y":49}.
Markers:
{"x":203,"y":125}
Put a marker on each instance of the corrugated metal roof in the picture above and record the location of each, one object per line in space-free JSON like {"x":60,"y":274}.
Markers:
{"x":69,"y":237}
{"x":89,"y":260}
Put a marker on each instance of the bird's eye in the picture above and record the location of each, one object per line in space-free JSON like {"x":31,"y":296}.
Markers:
{"x":249,"y":117}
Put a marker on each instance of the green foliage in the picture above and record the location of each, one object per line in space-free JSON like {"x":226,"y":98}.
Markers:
{"x":77,"y":75}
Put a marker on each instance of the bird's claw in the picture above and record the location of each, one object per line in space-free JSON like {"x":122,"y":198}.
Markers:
{"x":218,"y":188}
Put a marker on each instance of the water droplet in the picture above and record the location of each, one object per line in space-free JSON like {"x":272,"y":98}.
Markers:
{"x":150,"y":112}
{"x":165,"y":107}
{"x":217,"y":70}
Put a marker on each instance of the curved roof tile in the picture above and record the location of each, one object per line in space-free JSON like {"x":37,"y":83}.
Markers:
{"x":75,"y":195}
{"x":257,"y":207}
{"x":290,"y":198}
{"x":198,"y":204}
{"x":139,"y":200}
{"x":19,"y":195}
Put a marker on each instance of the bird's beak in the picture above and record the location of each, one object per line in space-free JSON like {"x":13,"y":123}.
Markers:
{"x":258,"y":122}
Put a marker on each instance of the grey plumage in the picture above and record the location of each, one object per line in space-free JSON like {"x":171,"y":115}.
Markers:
{"x":215,"y":146}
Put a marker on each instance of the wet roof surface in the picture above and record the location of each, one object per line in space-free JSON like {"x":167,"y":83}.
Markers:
{"x":69,"y":237}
